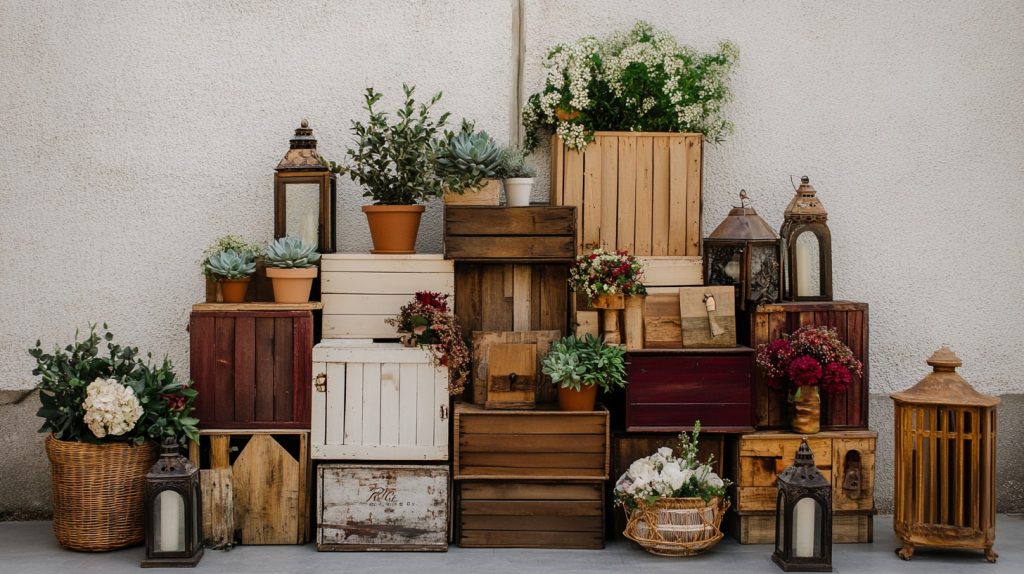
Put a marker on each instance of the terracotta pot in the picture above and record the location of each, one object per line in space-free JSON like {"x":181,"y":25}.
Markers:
{"x":609,"y":301}
{"x":581,"y":400}
{"x":807,"y":418}
{"x":292,"y":285}
{"x":517,"y":191}
{"x":233,"y":290}
{"x":393,"y":228}
{"x":564,"y":115}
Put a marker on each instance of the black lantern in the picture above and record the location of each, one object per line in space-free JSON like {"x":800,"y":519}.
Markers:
{"x":744,"y":251}
{"x":173,"y":511}
{"x":808,"y":245}
{"x":305,"y":193}
{"x":803,"y":517}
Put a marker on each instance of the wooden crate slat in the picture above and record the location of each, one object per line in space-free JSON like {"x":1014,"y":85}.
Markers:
{"x":382,"y":452}
{"x":371,"y":404}
{"x":591,"y":206}
{"x":609,"y":191}
{"x":677,"y":222}
{"x":627,"y":194}
{"x":425,"y":411}
{"x":559,"y":524}
{"x":847,"y":528}
{"x":369,"y":283}
{"x":522,"y":297}
{"x":224,"y":355}
{"x":353,"y":403}
{"x":534,"y":508}
{"x":283,"y":371}
{"x":534,"y":443}
{"x":644,"y":222}
{"x":265,"y":368}
{"x":390,"y":403}
{"x":660,"y":271}
{"x":378,"y":263}
{"x":660,"y":197}
{"x":521,"y":490}
{"x":407,"y":401}
{"x":334,"y":415}
{"x":364,"y":304}
{"x":475,"y":458}
{"x":245,"y":369}
{"x":557,"y":196}
{"x":527,"y":248}
{"x":694,"y":195}
{"x":573,"y":188}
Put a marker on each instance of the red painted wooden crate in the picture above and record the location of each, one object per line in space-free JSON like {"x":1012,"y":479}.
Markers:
{"x":252,"y":364}
{"x":670,"y":389}
{"x":848,"y":410}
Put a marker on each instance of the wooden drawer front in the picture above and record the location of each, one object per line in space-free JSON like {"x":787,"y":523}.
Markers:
{"x":847,"y":454}
{"x":503,"y":514}
{"x":361,"y":291}
{"x":251,"y":368}
{"x":847,"y":528}
{"x":510,"y":233}
{"x":382,"y":507}
{"x":507,"y":297}
{"x":539,"y":444}
{"x":380,"y":401}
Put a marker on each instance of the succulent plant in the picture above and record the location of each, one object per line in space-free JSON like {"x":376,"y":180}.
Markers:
{"x":470,"y":156}
{"x":573,"y":363}
{"x":291,"y":253}
{"x":230,"y":264}
{"x":239,"y":244}
{"x":513,"y":163}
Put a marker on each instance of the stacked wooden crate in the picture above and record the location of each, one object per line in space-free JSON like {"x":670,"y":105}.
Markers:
{"x":380,"y":410}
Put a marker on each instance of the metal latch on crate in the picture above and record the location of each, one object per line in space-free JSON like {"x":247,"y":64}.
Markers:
{"x":320,"y":382}
{"x":444,"y":412}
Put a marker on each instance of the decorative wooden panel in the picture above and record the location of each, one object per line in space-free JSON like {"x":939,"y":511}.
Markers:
{"x":379,"y":401}
{"x":250,"y":363}
{"x":512,"y":376}
{"x":639,"y":191}
{"x":541,"y":444}
{"x":361,"y":291}
{"x":530,"y":514}
{"x":708,"y":316}
{"x":671,"y":390}
{"x":840,"y":411}
{"x":393,"y":507}
{"x":507,"y":297}
{"x":484,"y":340}
{"x":510,"y":234}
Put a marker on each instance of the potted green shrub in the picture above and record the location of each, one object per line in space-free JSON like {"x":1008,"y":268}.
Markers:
{"x":233,"y":269}
{"x":469,"y":162}
{"x":579,"y":366}
{"x":517,"y":176}
{"x":105,"y":409}
{"x":291,"y":266}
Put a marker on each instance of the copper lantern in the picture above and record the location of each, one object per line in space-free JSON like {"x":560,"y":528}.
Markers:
{"x":744,"y":251}
{"x":305,"y":192}
{"x":803,"y":516}
{"x":808,"y":246}
{"x":945,"y":462}
{"x":174,"y":534}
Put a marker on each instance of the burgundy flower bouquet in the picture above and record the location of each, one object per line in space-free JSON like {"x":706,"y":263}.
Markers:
{"x":810,"y":357}
{"x":427,"y":321}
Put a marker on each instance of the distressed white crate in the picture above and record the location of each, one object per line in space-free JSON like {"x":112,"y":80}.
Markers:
{"x":360,"y":291}
{"x":378,"y":401}
{"x":386,"y":507}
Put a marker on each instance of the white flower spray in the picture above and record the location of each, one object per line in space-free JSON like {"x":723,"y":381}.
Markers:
{"x":110,"y":408}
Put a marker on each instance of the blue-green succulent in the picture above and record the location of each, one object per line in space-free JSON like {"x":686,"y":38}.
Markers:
{"x":230,"y":264}
{"x":291,"y":253}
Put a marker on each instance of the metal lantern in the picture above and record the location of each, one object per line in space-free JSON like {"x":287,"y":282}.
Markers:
{"x":945,"y":462}
{"x":305,"y":192}
{"x":744,"y":251}
{"x":808,"y":245}
{"x":803,"y":517}
{"x":173,"y":511}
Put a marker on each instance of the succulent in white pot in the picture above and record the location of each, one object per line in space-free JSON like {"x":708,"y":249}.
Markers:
{"x":291,"y":265}
{"x":517,"y":176}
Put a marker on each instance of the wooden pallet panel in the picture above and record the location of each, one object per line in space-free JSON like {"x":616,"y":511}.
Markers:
{"x":512,"y":297}
{"x":510,"y":234}
{"x":847,"y":528}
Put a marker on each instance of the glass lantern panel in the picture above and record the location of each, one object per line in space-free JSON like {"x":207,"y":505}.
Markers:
{"x":808,"y":265}
{"x":780,"y":522}
{"x":725,"y":265}
{"x":169,"y":522}
{"x":302,"y":211}
{"x":197,"y":520}
{"x":764,"y":273}
{"x":806,"y":528}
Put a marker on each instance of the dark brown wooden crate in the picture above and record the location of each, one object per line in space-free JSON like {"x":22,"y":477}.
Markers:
{"x":848,"y":410}
{"x":759,"y":528}
{"x":512,"y":297}
{"x":510,"y":234}
{"x":530,"y":514}
{"x":541,"y":444}
{"x":669,"y":390}
{"x":251,"y":364}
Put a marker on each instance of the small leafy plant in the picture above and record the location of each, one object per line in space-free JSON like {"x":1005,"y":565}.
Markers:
{"x":230,"y":264}
{"x":514,"y":164}
{"x":230,"y":242}
{"x":291,"y":253}
{"x":574,"y":363}
{"x":468,"y":158}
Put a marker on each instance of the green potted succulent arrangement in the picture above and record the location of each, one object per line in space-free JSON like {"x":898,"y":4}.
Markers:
{"x":105,"y":408}
{"x":469,"y":161}
{"x":579,"y":366}
{"x":517,"y":176}
{"x":291,"y":266}
{"x":231,"y":262}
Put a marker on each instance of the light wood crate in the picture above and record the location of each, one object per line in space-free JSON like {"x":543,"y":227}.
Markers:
{"x":639,"y":191}
{"x":386,"y":507}
{"x":361,"y":291}
{"x":378,"y":401}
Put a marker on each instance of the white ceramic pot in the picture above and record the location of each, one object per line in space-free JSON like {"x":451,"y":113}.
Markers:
{"x":517,"y":191}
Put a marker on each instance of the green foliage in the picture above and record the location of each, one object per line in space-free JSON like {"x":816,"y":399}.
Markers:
{"x":291,"y":253}
{"x":468,"y":158}
{"x":513,"y":163}
{"x":230,"y":242}
{"x":573,"y":363}
{"x":230,"y":264}
{"x":64,"y":374}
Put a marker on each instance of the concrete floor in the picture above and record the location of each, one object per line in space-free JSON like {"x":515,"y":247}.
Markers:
{"x":29,"y":548}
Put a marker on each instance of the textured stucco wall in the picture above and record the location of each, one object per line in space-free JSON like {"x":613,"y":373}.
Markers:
{"x":136,"y":133}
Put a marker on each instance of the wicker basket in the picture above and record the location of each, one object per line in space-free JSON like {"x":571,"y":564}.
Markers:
{"x":98,"y":493}
{"x":677,"y":526}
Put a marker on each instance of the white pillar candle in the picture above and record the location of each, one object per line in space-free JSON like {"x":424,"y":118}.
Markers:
{"x":803,"y":528}
{"x":172,"y":510}
{"x":804,"y":261}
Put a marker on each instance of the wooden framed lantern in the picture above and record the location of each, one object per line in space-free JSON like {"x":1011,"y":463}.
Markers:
{"x":945,"y":462}
{"x":808,"y":246}
{"x":744,"y":251}
{"x":174,"y":534}
{"x":803,"y":516}
{"x":305,"y":193}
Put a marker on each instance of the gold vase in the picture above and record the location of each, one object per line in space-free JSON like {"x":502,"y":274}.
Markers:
{"x":807,"y":418}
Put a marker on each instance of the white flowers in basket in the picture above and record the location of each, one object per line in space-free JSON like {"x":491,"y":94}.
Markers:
{"x":110,"y":408}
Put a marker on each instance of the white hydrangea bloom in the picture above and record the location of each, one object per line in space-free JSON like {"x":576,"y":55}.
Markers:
{"x":110,"y":408}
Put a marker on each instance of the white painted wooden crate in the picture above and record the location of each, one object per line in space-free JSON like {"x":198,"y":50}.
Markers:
{"x":383,"y":507}
{"x":360,"y":291}
{"x":378,"y":401}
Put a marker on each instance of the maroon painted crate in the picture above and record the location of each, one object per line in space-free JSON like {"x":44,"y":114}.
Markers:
{"x":252,"y":364}
{"x":670,"y":389}
{"x":847,"y":410}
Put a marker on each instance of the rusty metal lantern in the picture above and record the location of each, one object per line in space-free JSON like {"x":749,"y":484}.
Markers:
{"x":803,"y":516}
{"x":305,"y":193}
{"x":807,"y":242}
{"x":174,"y":529}
{"x":744,"y":251}
{"x":945,"y":462}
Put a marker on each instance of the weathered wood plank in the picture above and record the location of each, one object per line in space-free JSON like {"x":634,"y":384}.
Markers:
{"x":591,"y":206}
{"x":644,"y":226}
{"x":609,"y":192}
{"x":625,"y":238}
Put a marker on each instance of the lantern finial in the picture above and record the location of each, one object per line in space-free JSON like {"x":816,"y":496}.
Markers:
{"x":305,"y":124}
{"x":944,"y":359}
